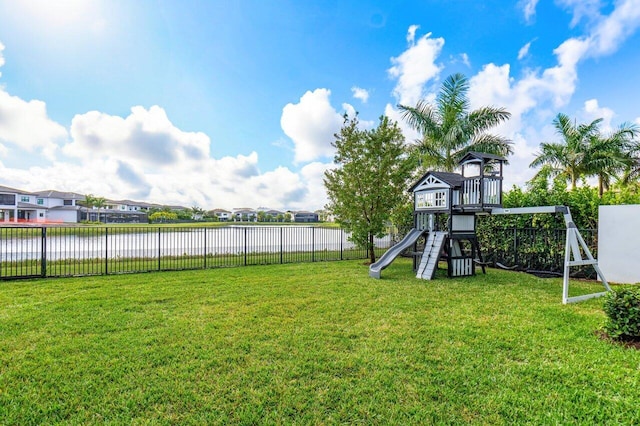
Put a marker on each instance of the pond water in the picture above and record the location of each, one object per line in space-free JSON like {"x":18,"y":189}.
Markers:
{"x":149,"y":243}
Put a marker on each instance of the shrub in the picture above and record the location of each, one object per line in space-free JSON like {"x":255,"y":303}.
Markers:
{"x":623,"y":311}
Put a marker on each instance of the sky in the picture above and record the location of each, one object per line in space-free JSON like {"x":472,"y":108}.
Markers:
{"x":227,"y":104}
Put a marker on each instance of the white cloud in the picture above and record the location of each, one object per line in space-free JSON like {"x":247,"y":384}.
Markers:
{"x":594,"y":111}
{"x":26,"y":125}
{"x":360,"y":93}
{"x":524,"y":51}
{"x":465,"y":59}
{"x":1,"y":56}
{"x":615,"y":28}
{"x":529,"y":9}
{"x":411,"y":34}
{"x":415,"y":67}
{"x":410,"y":135}
{"x":145,"y":138}
{"x":311,"y":124}
{"x":582,"y":9}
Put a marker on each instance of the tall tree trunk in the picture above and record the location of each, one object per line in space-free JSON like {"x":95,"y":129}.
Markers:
{"x":600,"y":185}
{"x":372,"y":254}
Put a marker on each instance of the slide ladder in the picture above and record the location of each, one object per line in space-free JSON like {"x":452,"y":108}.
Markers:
{"x":432,"y":250}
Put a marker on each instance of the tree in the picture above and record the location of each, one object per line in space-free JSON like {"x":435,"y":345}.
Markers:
{"x":585,"y":152}
{"x":370,"y":180}
{"x":450,"y":130}
{"x":568,"y":159}
{"x":608,"y":157}
{"x":197,"y":213}
{"x":92,"y":201}
{"x":163,"y":216}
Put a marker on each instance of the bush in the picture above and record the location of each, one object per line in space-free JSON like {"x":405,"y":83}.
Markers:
{"x":623,"y":311}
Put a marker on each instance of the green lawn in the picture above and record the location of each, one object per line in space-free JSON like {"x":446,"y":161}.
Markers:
{"x":317,"y":343}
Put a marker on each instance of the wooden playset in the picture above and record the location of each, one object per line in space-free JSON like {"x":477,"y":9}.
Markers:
{"x":456,"y":199}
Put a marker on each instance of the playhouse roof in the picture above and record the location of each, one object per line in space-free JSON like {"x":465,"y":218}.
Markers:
{"x":473,"y":155}
{"x":454,"y":180}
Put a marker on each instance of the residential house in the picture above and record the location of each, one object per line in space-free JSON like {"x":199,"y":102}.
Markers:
{"x":222,"y":214}
{"x":305,"y":216}
{"x":244,"y":214}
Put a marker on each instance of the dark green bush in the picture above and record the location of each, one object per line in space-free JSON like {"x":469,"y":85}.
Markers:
{"x":623,"y":311}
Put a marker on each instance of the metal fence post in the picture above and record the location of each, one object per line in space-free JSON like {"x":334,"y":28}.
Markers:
{"x":515,"y":246}
{"x":106,"y":250}
{"x":43,"y":257}
{"x":281,"y":244}
{"x":313,"y":243}
{"x":159,"y":249}
{"x":205,"y":248}
{"x":245,"y":246}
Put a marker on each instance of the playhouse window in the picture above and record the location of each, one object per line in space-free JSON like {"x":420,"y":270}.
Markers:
{"x":433,"y":199}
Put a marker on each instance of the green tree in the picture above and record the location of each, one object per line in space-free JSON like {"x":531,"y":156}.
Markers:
{"x":450,"y":129}
{"x":608,"y":157}
{"x":92,"y":201}
{"x":569,"y":158}
{"x":370,"y":180}
{"x":197,"y":213}
{"x":163,"y":216}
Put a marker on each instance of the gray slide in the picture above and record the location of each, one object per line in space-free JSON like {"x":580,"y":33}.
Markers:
{"x":390,"y":255}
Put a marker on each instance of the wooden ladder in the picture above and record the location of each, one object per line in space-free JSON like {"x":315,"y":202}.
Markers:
{"x":431,"y":254}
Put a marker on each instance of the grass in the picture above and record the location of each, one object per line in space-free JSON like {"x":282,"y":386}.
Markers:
{"x":317,"y":343}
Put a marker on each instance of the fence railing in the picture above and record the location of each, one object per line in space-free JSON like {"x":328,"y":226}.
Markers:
{"x":529,"y":249}
{"x":533,"y":249}
{"x":27,"y":252}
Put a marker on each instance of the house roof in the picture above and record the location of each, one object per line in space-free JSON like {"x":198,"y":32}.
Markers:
{"x":50,"y":193}
{"x":454,"y":180}
{"x":29,"y":206}
{"x":14,"y":191}
{"x":67,"y":208}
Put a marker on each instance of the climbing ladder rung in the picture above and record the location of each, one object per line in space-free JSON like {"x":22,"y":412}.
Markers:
{"x":582,"y":262}
{"x":432,"y":250}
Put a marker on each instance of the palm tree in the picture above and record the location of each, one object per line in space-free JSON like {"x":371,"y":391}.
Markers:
{"x":99,"y":203}
{"x":631,"y":175}
{"x":450,"y":130}
{"x":568,"y":159}
{"x":92,"y":201}
{"x":584,"y":152}
{"x":609,"y":157}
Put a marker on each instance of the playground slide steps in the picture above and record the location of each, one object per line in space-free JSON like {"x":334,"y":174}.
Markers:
{"x":432,"y":250}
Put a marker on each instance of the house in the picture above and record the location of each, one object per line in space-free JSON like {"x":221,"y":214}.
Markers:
{"x":269,"y":215}
{"x":222,"y":214}
{"x":129,"y":206}
{"x":305,"y":216}
{"x":244,"y":214}
{"x":60,"y":206}
{"x":43,"y":206}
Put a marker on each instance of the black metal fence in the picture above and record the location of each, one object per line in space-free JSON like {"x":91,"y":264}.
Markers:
{"x":28,"y":252}
{"x":533,"y":249}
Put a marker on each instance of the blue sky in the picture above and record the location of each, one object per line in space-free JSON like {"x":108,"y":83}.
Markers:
{"x":235,"y":103}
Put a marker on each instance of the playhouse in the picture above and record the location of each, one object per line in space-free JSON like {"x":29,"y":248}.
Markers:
{"x":446,"y":206}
